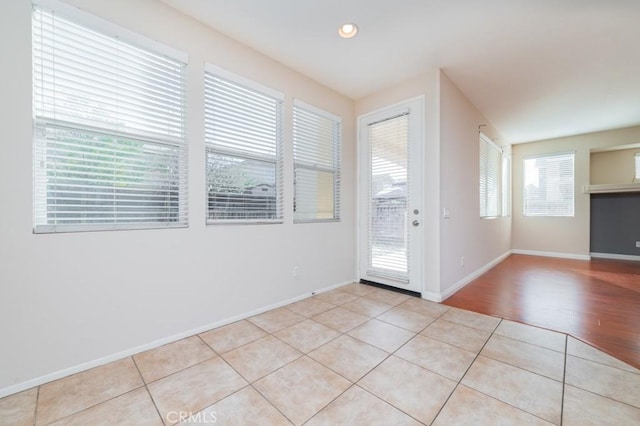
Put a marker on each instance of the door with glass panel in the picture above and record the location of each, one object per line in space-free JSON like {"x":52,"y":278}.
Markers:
{"x":390,"y":195}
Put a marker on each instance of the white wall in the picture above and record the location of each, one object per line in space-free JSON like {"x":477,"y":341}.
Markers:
{"x":69,"y":299}
{"x":465,"y":234}
{"x":566,"y":236}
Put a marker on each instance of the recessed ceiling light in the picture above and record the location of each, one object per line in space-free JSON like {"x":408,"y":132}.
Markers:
{"x":348,"y":30}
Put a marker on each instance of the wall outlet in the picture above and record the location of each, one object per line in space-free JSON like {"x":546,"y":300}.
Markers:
{"x":637,"y":244}
{"x":462,"y":262}
{"x":296,"y":271}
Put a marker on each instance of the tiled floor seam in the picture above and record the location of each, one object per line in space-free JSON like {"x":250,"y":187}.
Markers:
{"x":329,"y":403}
{"x":237,"y":347}
{"x":175,"y":372}
{"x":523,"y":368}
{"x":306,"y":353}
{"x":365,"y":374}
{"x":465,"y":373}
{"x":95,"y":405}
{"x":251,"y":382}
{"x":603,"y":396}
{"x":35,"y":409}
{"x":266,"y":399}
{"x":203,"y":341}
{"x":637,"y":372}
{"x":530,"y":343}
{"x":352,"y":383}
{"x":387,"y":402}
{"x":146,"y":387}
{"x":564,"y":377}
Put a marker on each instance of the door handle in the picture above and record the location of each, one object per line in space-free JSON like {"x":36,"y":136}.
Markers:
{"x":415,"y":223}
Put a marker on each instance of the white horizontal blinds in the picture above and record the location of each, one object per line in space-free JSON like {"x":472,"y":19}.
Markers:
{"x":109,"y":146}
{"x":506,"y":185}
{"x":490,"y":178}
{"x":549,"y":185}
{"x":243,"y":133}
{"x":316,"y":151}
{"x":637,"y":166}
{"x":388,"y":198}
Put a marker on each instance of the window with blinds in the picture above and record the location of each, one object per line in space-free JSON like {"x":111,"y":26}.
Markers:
{"x":549,"y":185}
{"x":491,"y":178}
{"x":109,"y":145}
{"x":637,"y":166}
{"x":243,"y":135}
{"x":506,"y":185}
{"x":316,"y":152}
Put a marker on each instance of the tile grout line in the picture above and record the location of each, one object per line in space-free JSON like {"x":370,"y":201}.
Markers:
{"x":355,"y":383}
{"x":177,"y":371}
{"x":101,"y":402}
{"x":466,"y":371}
{"x":269,"y":402}
{"x":388,"y":403}
{"x":561,"y":381}
{"x":604,"y":397}
{"x":35,"y":409}
{"x":352,"y":384}
{"x":601,"y":363}
{"x":146,"y":387}
{"x":564,"y":377}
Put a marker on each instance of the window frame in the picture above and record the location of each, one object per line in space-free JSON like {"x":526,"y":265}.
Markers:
{"x":501,"y":196}
{"x":335,"y":170}
{"x":573,"y":183}
{"x":44,"y":123}
{"x":277,"y":159}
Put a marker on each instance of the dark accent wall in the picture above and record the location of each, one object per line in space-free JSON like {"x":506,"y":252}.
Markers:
{"x":615,"y":223}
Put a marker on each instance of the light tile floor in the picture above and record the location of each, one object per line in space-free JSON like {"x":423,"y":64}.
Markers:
{"x":358,"y":355}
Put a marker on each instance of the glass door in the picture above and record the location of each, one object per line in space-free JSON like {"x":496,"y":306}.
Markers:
{"x":390,"y":199}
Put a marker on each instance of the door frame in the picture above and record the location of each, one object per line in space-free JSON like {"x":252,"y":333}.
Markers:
{"x":417,"y":108}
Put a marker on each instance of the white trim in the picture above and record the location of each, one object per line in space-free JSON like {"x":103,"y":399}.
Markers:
{"x":13,"y":389}
{"x":609,"y":188}
{"x":316,"y":110}
{"x":243,"y":81}
{"x":552,"y":254}
{"x":443,"y":295}
{"x":549,"y":154}
{"x":615,"y":256}
{"x":490,"y":142}
{"x":108,"y":28}
{"x":432,"y":296}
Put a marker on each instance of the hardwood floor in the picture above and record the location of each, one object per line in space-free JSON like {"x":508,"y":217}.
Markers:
{"x":596,"y":301}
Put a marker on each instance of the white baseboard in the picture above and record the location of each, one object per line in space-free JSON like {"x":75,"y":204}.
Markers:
{"x":552,"y":254}
{"x":472,"y":276}
{"x":433,"y":296}
{"x":10,"y":390}
{"x":616,"y":256}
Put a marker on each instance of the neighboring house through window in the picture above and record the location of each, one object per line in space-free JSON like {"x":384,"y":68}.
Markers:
{"x":243,"y":134}
{"x":109,"y":144}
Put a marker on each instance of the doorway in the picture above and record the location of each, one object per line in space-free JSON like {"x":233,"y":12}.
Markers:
{"x":390,"y":200}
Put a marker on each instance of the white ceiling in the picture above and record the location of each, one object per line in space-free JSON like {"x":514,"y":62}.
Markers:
{"x":535,"y":68}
